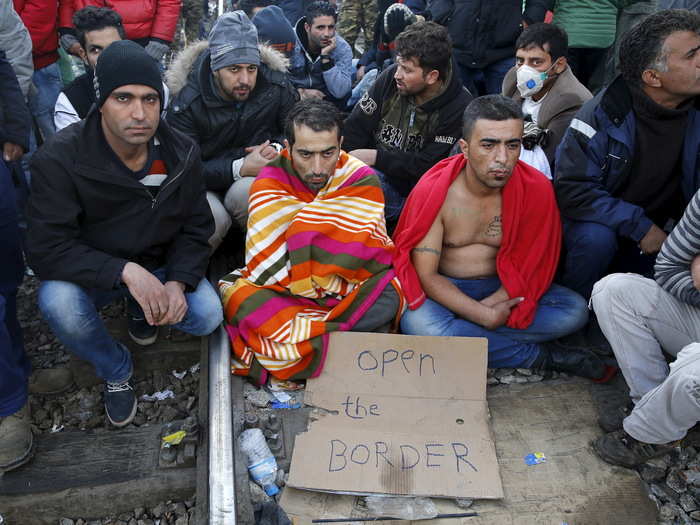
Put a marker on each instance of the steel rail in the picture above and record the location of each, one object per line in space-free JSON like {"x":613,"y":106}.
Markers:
{"x":222,"y":489}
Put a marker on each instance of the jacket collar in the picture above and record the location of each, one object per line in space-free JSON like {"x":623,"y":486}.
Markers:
{"x":616,"y":101}
{"x":94,"y":160}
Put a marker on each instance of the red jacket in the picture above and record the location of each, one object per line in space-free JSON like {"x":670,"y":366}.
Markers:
{"x":529,"y":252}
{"x":142,"y":18}
{"x":41,"y":19}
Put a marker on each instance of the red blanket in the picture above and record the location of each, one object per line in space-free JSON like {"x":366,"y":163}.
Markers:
{"x":530,"y":244}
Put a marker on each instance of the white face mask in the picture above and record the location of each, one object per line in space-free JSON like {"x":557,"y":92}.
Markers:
{"x":530,"y":81}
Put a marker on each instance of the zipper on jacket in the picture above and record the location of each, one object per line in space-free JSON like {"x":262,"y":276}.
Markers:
{"x":168,"y":183}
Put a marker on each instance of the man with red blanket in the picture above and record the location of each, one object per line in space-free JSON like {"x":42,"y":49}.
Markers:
{"x":478,"y":245}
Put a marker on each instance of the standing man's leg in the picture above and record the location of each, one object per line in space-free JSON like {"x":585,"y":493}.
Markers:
{"x":494,"y":75}
{"x":15,"y":430}
{"x":48,"y":86}
{"x":349,"y":22}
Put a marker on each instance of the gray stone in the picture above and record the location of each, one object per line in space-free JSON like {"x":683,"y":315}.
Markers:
{"x":511,"y":379}
{"x":182,"y":520}
{"x":491,"y":380}
{"x":258,"y":397}
{"x":502,"y":372}
{"x":695,"y":515}
{"x":669,"y":511}
{"x":464,"y":503}
{"x":651,"y":472}
{"x":257,"y":494}
{"x":524,"y":371}
{"x":158,"y":510}
{"x":535,"y":378}
{"x":687,"y":502}
{"x":692,"y":476}
{"x":66,"y":521}
{"x":676,"y":481}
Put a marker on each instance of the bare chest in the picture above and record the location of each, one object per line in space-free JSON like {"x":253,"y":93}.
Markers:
{"x":468,"y":223}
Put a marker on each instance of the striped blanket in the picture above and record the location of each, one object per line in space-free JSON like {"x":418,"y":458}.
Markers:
{"x":314,"y":265}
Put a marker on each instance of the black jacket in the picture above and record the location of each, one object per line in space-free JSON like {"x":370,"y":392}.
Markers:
{"x":15,"y":120}
{"x":485,"y":31}
{"x":87,"y":218}
{"x":224,"y":129}
{"x":409,"y":139}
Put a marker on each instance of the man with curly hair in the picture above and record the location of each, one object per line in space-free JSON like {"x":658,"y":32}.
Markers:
{"x":412,"y":115}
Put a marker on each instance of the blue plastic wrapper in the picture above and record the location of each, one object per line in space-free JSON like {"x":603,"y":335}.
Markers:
{"x":535,"y":458}
{"x":287,"y":404}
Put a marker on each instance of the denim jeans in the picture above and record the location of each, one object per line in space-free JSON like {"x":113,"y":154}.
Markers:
{"x":72,"y":314}
{"x":362,"y":87}
{"x":487,"y":80}
{"x":560,"y":312}
{"x":592,"y":250}
{"x":393,"y":200}
{"x":42,"y":103}
{"x":14,"y":364}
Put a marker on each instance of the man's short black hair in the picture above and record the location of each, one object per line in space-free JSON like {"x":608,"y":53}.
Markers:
{"x":429,"y":43}
{"x":319,"y":8}
{"x":93,"y":18}
{"x":540,"y":34}
{"x":319,"y":115}
{"x":248,"y":5}
{"x":489,"y":107}
{"x":642,"y":47}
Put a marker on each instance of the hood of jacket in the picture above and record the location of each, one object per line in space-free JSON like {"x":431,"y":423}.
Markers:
{"x":274,"y":30}
{"x":191,"y":66}
{"x":567,"y":93}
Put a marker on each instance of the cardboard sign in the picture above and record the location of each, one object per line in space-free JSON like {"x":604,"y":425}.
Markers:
{"x":406,"y":415}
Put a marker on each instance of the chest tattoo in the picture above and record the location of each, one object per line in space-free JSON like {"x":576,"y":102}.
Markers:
{"x":494,"y":228}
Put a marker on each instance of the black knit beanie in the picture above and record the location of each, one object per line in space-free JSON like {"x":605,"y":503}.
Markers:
{"x":125,"y":62}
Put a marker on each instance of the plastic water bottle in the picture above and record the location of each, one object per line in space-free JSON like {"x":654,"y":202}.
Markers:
{"x":262,"y":465}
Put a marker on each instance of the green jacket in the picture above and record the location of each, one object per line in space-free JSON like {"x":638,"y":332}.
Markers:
{"x":589,"y":23}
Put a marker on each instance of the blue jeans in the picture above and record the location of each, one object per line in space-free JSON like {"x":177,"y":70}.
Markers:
{"x":14,"y":365}
{"x":362,"y":87}
{"x":488,"y":80}
{"x":593,"y":250}
{"x":72,"y":314}
{"x":42,"y":103}
{"x":559,"y":312}
{"x":393,"y":200}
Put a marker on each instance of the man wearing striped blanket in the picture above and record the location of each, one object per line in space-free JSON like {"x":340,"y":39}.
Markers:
{"x":318,"y":257}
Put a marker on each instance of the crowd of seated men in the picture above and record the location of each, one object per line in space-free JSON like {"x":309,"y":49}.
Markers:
{"x":424,"y":210}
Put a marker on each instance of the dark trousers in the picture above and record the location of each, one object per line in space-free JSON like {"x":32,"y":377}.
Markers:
{"x":14,"y":365}
{"x":485,"y":81}
{"x":585,"y":62}
{"x":592,"y":250}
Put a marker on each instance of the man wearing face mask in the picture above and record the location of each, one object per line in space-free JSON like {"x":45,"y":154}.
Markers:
{"x":543,"y":83}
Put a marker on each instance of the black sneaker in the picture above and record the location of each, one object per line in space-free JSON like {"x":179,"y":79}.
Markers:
{"x":120,"y":403}
{"x":611,"y":417}
{"x":621,"y":449}
{"x":141,"y":332}
{"x":571,"y":360}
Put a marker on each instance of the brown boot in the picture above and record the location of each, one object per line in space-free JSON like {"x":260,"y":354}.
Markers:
{"x":50,"y":381}
{"x":16,"y":440}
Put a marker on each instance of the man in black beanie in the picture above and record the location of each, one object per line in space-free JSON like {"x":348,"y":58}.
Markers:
{"x":118,"y":209}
